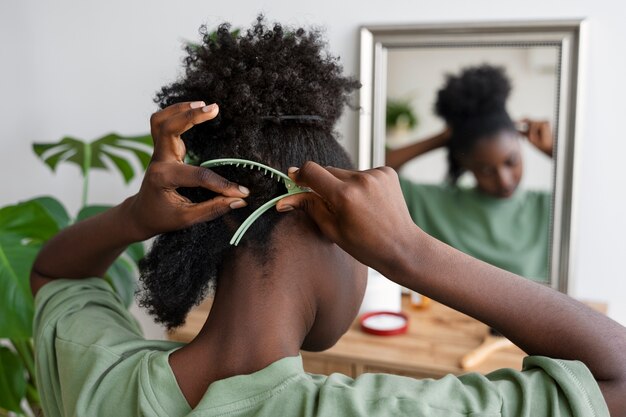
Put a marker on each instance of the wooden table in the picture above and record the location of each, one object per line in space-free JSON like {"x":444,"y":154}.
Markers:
{"x":436,"y":340}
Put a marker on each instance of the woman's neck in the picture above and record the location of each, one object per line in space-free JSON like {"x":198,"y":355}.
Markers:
{"x":261,"y":313}
{"x":256,"y":319}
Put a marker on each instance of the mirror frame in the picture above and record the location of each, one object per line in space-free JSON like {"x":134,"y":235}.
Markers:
{"x":566,"y":35}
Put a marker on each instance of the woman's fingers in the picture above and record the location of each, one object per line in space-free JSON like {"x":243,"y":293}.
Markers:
{"x":342,"y":174}
{"x":183,"y":175}
{"x":319,"y":179}
{"x":315,"y":207}
{"x":162,"y":115}
{"x":535,"y":132}
{"x":211,"y":209}
{"x":179,"y":123}
{"x":166,"y":135}
{"x":362,"y":212}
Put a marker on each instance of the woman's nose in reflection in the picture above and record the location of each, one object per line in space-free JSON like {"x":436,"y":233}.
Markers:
{"x":505,"y":179}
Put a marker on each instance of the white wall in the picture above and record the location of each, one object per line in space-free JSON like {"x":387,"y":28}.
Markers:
{"x":88,"y":67}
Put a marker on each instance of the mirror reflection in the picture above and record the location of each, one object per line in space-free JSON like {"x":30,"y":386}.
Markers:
{"x":470,"y":131}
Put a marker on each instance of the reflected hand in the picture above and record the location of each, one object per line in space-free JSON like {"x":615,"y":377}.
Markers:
{"x":539,"y":134}
{"x":363,"y":212}
{"x":158,"y":207}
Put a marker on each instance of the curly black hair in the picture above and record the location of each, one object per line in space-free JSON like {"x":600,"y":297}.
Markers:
{"x":252,"y":75}
{"x":473,"y":104}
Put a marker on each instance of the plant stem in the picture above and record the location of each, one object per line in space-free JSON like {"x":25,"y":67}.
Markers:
{"x":32,"y":395}
{"x":22,"y":349}
{"x":86,"y":169}
{"x":31,"y":348}
{"x":85,"y":189}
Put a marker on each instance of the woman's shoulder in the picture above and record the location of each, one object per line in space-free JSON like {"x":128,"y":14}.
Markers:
{"x":541,"y":198}
{"x":410,"y":186}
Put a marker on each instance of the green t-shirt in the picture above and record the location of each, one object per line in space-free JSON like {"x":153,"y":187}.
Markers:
{"x":93,"y":361}
{"x":511,"y":233}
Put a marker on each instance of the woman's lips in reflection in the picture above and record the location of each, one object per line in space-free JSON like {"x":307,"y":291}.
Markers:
{"x":506,"y":193}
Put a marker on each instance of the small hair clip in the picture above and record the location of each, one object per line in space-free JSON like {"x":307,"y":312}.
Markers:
{"x":294,"y":118}
{"x":292,"y":188}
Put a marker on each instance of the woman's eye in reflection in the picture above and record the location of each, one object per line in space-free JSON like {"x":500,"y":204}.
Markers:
{"x":513,"y":161}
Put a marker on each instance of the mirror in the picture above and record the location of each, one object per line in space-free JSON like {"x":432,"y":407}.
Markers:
{"x":480,"y":122}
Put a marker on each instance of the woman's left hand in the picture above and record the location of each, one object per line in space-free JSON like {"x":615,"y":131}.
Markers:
{"x":158,"y":207}
{"x":539,"y":134}
{"x":89,"y":247}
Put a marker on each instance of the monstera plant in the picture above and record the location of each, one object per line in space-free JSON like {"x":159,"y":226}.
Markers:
{"x":25,"y":227}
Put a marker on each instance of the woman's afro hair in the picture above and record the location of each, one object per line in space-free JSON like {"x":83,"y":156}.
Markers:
{"x":252,"y":75}
{"x":473,"y":104}
{"x":476,"y":92}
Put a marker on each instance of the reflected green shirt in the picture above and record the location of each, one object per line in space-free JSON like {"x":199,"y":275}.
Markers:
{"x":512,"y":233}
{"x":92,"y":361}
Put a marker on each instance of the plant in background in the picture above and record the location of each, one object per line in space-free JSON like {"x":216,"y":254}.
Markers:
{"x":400,"y":115}
{"x":25,"y":227}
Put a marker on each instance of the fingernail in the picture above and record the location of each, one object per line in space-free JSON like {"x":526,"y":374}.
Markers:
{"x":284,"y":208}
{"x":209,"y":108}
{"x":238,"y":204}
{"x":293,"y":170}
{"x":244,"y":190}
{"x":197,"y":104}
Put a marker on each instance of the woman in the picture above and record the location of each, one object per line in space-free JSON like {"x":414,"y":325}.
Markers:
{"x":493,"y":221}
{"x":295,"y":281}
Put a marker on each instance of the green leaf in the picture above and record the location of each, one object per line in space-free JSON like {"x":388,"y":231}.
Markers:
{"x":121,"y":275}
{"x":398,"y":110}
{"x":88,"y":156}
{"x":54,"y":156}
{"x":122,"y":165}
{"x":143,"y":155}
{"x":140,"y":146}
{"x":24,"y":227}
{"x":136,"y":251}
{"x":55,"y":209}
{"x":90,"y":211}
{"x":12,"y":380}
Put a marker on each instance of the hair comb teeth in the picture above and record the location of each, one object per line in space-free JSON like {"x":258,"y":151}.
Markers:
{"x":292,"y":188}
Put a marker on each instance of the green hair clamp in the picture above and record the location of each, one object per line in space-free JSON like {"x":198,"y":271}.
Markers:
{"x":292,"y":188}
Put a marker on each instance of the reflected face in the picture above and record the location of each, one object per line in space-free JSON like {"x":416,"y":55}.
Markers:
{"x":496,"y":162}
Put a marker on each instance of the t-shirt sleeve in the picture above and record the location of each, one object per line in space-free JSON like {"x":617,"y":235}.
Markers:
{"x":81,"y":329}
{"x":90,"y":354}
{"x":550,"y":387}
{"x":85,"y":311}
{"x":413,"y":194}
{"x":545,"y":387}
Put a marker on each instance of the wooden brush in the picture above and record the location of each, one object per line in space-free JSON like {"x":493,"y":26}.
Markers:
{"x":493,"y":342}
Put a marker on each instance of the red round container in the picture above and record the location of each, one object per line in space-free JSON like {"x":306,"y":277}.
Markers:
{"x":384,"y":323}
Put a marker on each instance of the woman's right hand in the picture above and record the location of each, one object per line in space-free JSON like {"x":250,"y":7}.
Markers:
{"x":364,"y":212}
